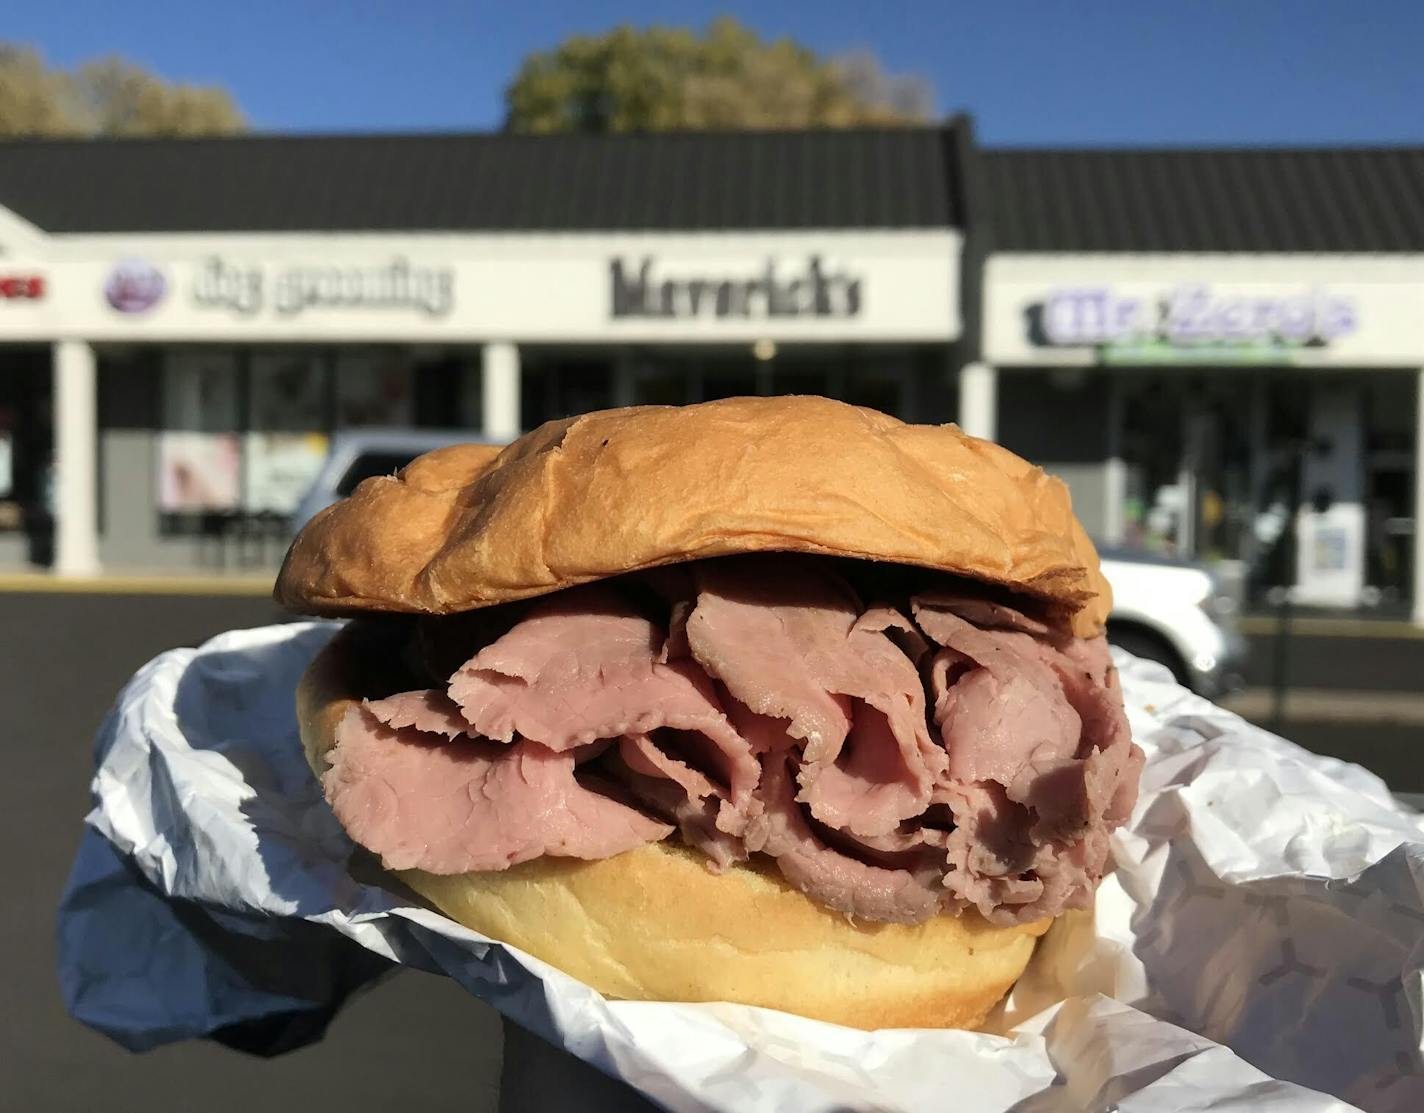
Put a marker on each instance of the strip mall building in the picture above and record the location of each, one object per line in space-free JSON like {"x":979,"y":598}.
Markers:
{"x":1195,"y":340}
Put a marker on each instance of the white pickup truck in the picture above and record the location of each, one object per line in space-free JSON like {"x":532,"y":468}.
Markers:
{"x":1178,"y":613}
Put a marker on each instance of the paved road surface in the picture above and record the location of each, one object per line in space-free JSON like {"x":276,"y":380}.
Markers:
{"x":1331,"y":709}
{"x":1369,"y":664}
{"x":65,"y":656}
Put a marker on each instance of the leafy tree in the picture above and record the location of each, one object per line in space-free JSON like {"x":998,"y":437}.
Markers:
{"x":666,"y":78}
{"x":33,"y":98}
{"x":109,"y":96}
{"x":116,"y":97}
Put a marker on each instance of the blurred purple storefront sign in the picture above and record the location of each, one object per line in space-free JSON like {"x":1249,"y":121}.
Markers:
{"x":1193,"y":314}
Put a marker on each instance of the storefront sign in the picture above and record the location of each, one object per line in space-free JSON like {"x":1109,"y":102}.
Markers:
{"x":641,"y":289}
{"x":135,"y":286}
{"x":888,"y":287}
{"x":21,"y":287}
{"x":247,"y":289}
{"x":1189,"y":316}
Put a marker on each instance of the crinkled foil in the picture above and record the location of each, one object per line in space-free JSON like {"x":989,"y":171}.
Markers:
{"x":1258,"y":945}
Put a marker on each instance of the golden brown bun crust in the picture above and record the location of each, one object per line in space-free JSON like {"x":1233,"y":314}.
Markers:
{"x":620,"y":490}
{"x":654,"y":924}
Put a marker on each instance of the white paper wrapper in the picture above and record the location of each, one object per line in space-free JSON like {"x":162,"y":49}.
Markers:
{"x":1259,"y":945}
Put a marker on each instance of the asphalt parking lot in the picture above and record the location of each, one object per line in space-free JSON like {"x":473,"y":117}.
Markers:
{"x":414,"y":1041}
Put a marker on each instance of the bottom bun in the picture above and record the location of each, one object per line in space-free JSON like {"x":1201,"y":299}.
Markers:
{"x":655,"y":924}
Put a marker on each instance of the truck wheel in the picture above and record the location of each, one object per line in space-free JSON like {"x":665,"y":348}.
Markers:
{"x":1150,"y":647}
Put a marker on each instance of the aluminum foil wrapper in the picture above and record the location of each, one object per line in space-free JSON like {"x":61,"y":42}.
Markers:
{"x":1257,"y":946}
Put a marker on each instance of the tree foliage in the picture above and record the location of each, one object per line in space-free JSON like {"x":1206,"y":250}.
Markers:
{"x":666,"y":78}
{"x":109,"y":96}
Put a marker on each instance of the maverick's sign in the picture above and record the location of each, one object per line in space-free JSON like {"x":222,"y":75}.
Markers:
{"x":812,"y":290}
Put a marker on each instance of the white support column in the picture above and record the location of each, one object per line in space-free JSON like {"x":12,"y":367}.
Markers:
{"x":1419,"y":503}
{"x":979,"y":400}
{"x":76,"y":548}
{"x":499,"y":386}
{"x":1114,"y":468}
{"x":1188,"y":464}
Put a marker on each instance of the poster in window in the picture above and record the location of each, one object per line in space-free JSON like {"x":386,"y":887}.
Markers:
{"x":7,"y":464}
{"x":279,"y":468}
{"x":198,"y":472}
{"x":1331,"y":549}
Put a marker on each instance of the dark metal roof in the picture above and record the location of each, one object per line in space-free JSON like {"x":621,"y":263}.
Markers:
{"x":880,"y":178}
{"x":1279,"y":200}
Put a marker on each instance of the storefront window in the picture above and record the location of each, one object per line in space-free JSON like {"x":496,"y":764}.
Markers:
{"x":883,"y":390}
{"x":1061,"y":420}
{"x":790,"y":375}
{"x":244,"y":431}
{"x":555,"y":386}
{"x":373,"y":387}
{"x":665,"y":386}
{"x":289,"y":395}
{"x":201,"y":391}
{"x":1184,"y":439}
{"x":1389,"y":482}
{"x":199,"y":448}
{"x":26,"y":446}
{"x":288,"y":391}
{"x":674,"y":376}
{"x":1250,"y":464}
{"x":730,"y":379}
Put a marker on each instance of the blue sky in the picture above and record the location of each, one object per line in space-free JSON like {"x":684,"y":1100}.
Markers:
{"x":1066,"y":72}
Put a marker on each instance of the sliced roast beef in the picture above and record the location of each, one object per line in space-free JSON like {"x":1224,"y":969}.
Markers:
{"x":876,"y":780}
{"x":1041,"y":761}
{"x":825,"y":875}
{"x":696,"y":818}
{"x":1005,"y":711}
{"x":430,"y":710}
{"x":763,"y":733}
{"x":886,"y":620}
{"x":782,"y":634}
{"x":422,"y":801}
{"x":765,"y":640}
{"x":946,"y":751}
{"x":985,"y":613}
{"x":664,"y":754}
{"x":584,"y":665}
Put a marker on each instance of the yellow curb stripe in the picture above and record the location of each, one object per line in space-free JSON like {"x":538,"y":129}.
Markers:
{"x":23,"y":583}
{"x":1313,"y":626}
{"x":1328,"y":705}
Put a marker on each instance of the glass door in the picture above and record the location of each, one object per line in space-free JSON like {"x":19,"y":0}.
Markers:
{"x":27,"y":450}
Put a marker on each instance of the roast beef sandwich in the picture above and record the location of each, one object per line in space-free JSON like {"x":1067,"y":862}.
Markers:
{"x":770,"y":700}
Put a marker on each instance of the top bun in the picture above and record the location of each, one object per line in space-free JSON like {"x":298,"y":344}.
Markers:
{"x":619,"y":490}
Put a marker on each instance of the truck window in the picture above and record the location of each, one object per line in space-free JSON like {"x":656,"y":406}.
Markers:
{"x":369,"y":464}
